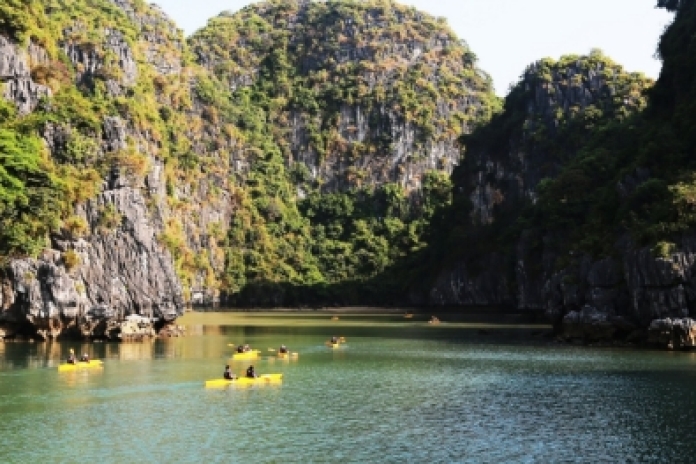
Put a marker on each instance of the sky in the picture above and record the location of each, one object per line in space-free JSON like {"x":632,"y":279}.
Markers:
{"x":508,"y":35}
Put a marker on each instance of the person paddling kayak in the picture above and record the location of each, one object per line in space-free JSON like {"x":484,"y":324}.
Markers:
{"x":71,"y":357}
{"x":283,"y":349}
{"x":84,"y":358}
{"x":228,"y":373}
{"x":251,"y":372}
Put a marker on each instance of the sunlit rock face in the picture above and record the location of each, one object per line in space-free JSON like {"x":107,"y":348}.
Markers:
{"x":394,"y":90}
{"x":89,"y":285}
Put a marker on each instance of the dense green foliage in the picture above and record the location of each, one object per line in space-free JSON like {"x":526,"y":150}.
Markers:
{"x":633,"y":176}
{"x":29,"y":195}
{"x":575,"y":149}
{"x":315,"y":59}
{"x":264,"y":115}
{"x":284,"y":65}
{"x":276,"y":66}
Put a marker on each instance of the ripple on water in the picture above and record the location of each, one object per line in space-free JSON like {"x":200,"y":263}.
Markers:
{"x":375,"y":400}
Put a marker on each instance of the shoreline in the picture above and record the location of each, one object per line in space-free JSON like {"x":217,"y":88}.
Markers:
{"x":373,"y":310}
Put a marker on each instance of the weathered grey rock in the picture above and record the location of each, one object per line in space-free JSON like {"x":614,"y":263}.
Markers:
{"x":15,"y":72}
{"x":673,"y":333}
{"x":394,"y":164}
{"x":588,"y":324}
{"x":459,"y":286}
{"x":90,"y":62}
{"x":136,"y":328}
{"x":121,"y":272}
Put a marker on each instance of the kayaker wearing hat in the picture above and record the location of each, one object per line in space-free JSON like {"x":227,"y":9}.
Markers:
{"x":71,"y":357}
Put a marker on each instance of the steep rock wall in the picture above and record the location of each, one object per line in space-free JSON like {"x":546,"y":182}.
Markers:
{"x":89,"y":283}
{"x":532,"y":141}
{"x":386,"y":89}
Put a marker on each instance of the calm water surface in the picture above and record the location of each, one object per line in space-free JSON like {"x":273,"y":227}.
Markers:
{"x":398,"y":391}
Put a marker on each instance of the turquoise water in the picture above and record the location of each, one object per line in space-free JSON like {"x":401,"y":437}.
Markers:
{"x":397,"y":391}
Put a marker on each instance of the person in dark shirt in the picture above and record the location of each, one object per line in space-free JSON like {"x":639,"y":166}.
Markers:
{"x":283,"y":349}
{"x":251,"y":372}
{"x":228,"y":373}
{"x":71,"y":357}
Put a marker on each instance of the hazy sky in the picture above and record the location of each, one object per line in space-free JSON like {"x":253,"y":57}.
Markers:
{"x":508,"y":35}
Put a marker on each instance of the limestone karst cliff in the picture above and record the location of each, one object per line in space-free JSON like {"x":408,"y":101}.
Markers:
{"x":579,"y":198}
{"x":324,"y":153}
{"x":260,"y":162}
{"x":80,"y":77}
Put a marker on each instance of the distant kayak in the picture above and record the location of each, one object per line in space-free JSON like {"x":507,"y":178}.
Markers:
{"x":95,"y":363}
{"x":288,"y":355}
{"x":253,"y":354}
{"x":262,"y":379}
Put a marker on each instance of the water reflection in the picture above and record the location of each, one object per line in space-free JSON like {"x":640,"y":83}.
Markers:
{"x":391,"y":394}
{"x":79,"y":377}
{"x":131,"y":351}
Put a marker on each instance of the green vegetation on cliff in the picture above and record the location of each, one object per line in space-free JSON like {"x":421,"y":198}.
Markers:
{"x":322,"y":133}
{"x":556,"y":145}
{"x":322,"y":89}
{"x":82,"y":96}
{"x":29,"y":195}
{"x":607,"y":165}
{"x":634,"y":176}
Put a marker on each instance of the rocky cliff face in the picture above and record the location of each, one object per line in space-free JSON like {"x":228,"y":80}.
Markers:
{"x":16,"y":74}
{"x":386,"y":89}
{"x":176,"y":181}
{"x":182,"y":165}
{"x":94,"y":279}
{"x":604,"y":244}
{"x":532,"y":140}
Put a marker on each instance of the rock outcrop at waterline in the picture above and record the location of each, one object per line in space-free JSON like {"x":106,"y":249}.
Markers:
{"x":87,"y":287}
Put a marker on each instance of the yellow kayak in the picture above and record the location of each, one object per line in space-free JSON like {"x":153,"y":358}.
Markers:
{"x":288,"y":355}
{"x":253,"y":354}
{"x":94,"y":363}
{"x":262,"y":379}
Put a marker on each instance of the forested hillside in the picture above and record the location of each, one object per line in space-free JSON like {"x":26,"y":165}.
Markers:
{"x":356,"y":107}
{"x":262,"y":162}
{"x":322,"y":153}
